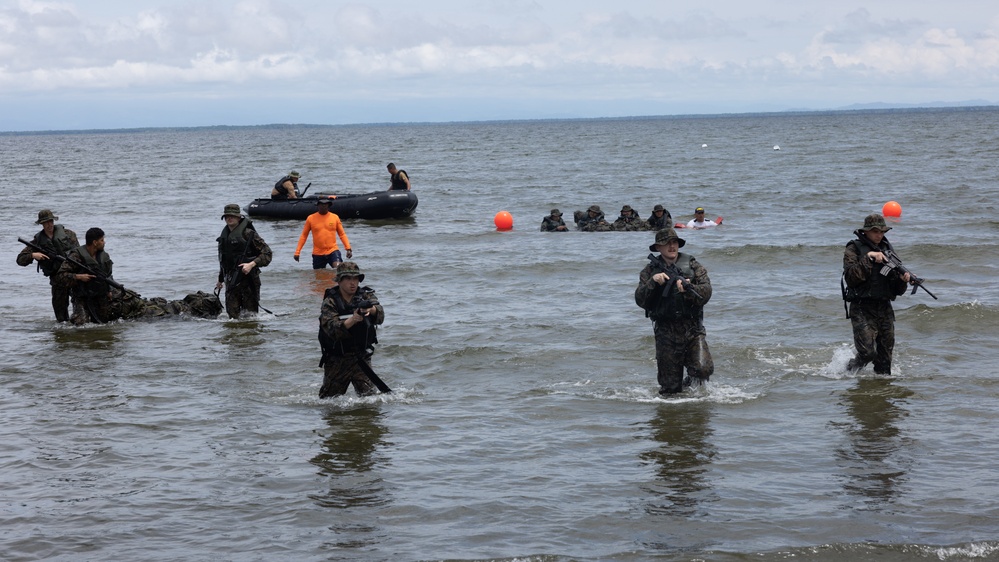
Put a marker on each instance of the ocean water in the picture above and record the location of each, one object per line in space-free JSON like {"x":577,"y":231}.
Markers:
{"x":524,"y":422}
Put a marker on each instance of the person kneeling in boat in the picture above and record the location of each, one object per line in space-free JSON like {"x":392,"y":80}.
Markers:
{"x":286,"y":187}
{"x":324,"y":226}
{"x":347,"y":324}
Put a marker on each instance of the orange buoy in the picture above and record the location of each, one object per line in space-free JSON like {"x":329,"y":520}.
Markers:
{"x":503,"y":221}
{"x":891,"y":209}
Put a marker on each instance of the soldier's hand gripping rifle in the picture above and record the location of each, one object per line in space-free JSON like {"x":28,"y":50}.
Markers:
{"x":674,"y":273}
{"x":893,"y":263}
{"x":84,"y":267}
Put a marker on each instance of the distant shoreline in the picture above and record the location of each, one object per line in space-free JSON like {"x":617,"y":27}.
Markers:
{"x":860,"y":111}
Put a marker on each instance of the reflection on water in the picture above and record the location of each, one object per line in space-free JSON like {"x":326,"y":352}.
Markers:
{"x":873,"y":467}
{"x":348,"y":458}
{"x":682,"y":458}
{"x":88,"y":337}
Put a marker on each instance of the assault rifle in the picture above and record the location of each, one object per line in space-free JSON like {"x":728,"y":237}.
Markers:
{"x":674,"y":273}
{"x":86,"y":268}
{"x":361,"y":339}
{"x":893,"y":263}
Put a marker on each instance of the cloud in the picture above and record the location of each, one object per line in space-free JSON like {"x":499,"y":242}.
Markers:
{"x":515,"y":49}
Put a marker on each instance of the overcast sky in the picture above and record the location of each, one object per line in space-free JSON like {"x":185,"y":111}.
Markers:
{"x":78,"y":64}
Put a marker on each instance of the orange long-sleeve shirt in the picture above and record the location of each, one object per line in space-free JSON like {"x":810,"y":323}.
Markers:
{"x":324,"y":229}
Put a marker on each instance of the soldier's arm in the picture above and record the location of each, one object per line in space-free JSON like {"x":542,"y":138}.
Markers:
{"x":701,"y":282}
{"x":264,"y":256}
{"x":856,"y":267}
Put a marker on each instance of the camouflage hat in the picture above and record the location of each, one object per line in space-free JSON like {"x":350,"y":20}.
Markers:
{"x":232,"y":210}
{"x":556,"y":213}
{"x":658,"y":208}
{"x":46,"y":215}
{"x":595,"y":209}
{"x":294,"y":174}
{"x":875,"y":221}
{"x":349,"y":269}
{"x":626,"y":209}
{"x":664,"y":236}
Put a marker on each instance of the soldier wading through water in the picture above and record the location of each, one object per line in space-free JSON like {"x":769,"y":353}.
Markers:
{"x":347,"y":324}
{"x":673,"y":289}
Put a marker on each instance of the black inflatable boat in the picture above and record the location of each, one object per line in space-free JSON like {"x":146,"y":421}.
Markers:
{"x":371,"y":206}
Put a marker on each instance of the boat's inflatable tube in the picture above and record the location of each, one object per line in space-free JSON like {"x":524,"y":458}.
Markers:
{"x":371,"y":206}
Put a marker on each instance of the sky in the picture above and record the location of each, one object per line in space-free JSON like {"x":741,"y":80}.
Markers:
{"x":105,"y":64}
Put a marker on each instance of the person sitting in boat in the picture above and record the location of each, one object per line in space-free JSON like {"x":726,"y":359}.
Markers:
{"x":629,"y":220}
{"x":660,"y":218}
{"x":286,"y":187}
{"x":400,"y":180}
{"x":553,"y":222}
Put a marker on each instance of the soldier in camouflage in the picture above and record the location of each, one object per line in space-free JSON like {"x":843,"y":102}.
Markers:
{"x":242,"y":252}
{"x":91,"y":295}
{"x":130,"y":306}
{"x":660,"y":218}
{"x":629,"y":220}
{"x":592,"y":220}
{"x":871,"y":288}
{"x":677,"y":312}
{"x":347,"y":325}
{"x":553,"y":222}
{"x":57,"y":240}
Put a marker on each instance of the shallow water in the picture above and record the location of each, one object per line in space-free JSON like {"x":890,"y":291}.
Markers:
{"x":525,"y":422}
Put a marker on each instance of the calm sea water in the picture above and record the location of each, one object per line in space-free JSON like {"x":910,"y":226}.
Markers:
{"x":525,"y":423}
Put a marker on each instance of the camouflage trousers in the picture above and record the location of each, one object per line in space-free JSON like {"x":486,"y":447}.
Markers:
{"x":91,"y":309}
{"x":60,"y":300}
{"x":873,"y":335}
{"x":681,"y":345}
{"x":244,"y":296}
{"x":340,"y":371}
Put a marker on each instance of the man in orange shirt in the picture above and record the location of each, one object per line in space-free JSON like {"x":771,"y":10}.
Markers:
{"x":324,"y":226}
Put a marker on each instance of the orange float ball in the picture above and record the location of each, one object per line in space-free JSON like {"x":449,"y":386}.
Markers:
{"x":891,"y":209}
{"x":503,"y":221}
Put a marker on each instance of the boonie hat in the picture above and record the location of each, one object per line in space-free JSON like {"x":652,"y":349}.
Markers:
{"x":324,"y":201}
{"x":231,"y":210}
{"x":294,"y":174}
{"x":556,"y":213}
{"x":595,"y":209}
{"x":699,"y":210}
{"x":46,"y":215}
{"x":664,"y":236}
{"x":626,"y":209}
{"x":875,"y":221}
{"x":658,"y":208}
{"x":349,"y":269}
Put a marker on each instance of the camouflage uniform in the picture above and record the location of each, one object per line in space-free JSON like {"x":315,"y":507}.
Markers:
{"x":91,"y":299}
{"x":345,"y":349}
{"x":596,"y":223}
{"x":131,"y":306}
{"x":871,"y":293}
{"x":629,"y":220}
{"x":238,"y":245}
{"x":552,"y":222}
{"x":63,"y":240}
{"x":659,"y":223}
{"x":679,"y":329}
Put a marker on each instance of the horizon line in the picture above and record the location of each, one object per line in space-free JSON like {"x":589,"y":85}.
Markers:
{"x":883,"y":108}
